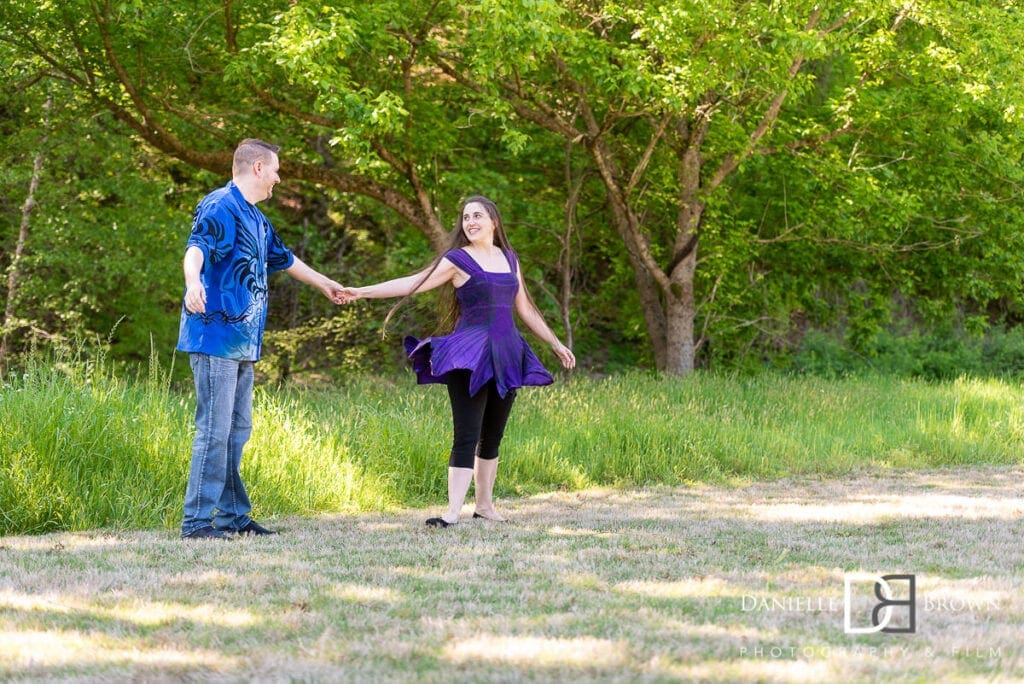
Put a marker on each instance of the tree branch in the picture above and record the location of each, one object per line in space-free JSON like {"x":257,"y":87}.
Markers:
{"x":543,"y":115}
{"x":229,"y":29}
{"x":731,"y":162}
{"x":794,"y":145}
{"x":293,"y":111}
{"x":645,"y":158}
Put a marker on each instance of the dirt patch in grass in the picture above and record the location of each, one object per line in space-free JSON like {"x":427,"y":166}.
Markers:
{"x":743,"y":583}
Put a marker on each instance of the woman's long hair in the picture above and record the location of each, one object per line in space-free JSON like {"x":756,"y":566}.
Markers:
{"x":448,"y":309}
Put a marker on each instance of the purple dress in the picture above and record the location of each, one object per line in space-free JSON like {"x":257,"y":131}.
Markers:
{"x":485,"y":341}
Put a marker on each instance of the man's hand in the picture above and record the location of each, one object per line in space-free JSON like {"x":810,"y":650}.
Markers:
{"x":195,"y":292}
{"x":195,"y":298}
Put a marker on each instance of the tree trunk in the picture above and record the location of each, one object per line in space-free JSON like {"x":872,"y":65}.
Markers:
{"x":654,"y":311}
{"x":681,"y":309}
{"x":650,"y":281}
{"x":681,"y":313}
{"x":667,"y":296}
{"x":14,"y":274}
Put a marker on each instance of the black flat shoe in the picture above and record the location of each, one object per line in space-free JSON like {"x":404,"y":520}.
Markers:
{"x":439,"y":522}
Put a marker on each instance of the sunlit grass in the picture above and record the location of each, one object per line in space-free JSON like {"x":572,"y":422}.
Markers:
{"x":82,"y":447}
{"x":701,"y":582}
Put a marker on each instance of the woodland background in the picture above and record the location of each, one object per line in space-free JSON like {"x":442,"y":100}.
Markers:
{"x":716,"y":184}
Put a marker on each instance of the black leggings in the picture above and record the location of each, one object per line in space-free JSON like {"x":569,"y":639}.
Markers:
{"x":478,"y":421}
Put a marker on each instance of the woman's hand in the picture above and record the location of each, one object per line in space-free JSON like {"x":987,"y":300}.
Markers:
{"x":346,"y":295}
{"x":564,"y":355}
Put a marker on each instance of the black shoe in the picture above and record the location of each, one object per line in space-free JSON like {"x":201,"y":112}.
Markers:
{"x":439,"y":522}
{"x":209,"y":533}
{"x":254,"y":529}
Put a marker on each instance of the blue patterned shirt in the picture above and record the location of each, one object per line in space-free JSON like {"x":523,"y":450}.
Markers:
{"x":240,"y":249}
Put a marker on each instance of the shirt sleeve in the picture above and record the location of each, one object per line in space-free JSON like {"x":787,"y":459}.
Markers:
{"x":279,"y":257}
{"x":213,"y":231}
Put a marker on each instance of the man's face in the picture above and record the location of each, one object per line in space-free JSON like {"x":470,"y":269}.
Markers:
{"x":266,"y":173}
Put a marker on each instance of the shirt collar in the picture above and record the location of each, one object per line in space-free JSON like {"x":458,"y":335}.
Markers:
{"x":237,"y":194}
{"x":242,"y":202}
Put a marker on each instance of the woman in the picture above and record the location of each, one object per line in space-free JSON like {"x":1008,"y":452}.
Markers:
{"x":485,"y":359}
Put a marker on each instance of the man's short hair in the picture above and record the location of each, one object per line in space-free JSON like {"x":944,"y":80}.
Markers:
{"x":249,"y":151}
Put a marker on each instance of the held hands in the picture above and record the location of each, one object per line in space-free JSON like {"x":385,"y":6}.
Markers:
{"x":338,"y":293}
{"x":346,"y":295}
{"x":333,"y":291}
{"x":564,"y":355}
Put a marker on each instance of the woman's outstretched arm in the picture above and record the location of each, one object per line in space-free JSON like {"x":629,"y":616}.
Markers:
{"x":400,"y":287}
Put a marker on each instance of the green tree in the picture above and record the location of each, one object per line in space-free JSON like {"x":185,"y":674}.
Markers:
{"x":671,"y":100}
{"x":911,"y":220}
{"x":80,"y":265}
{"x":333,"y":84}
{"x":751,"y":158}
{"x":342,"y":88}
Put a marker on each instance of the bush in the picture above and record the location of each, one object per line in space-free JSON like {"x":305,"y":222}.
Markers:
{"x":934,"y":355}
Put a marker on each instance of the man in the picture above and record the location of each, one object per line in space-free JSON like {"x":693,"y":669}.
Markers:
{"x":230,"y":252}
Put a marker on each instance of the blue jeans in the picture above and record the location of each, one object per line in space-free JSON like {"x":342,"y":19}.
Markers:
{"x":215,"y":492}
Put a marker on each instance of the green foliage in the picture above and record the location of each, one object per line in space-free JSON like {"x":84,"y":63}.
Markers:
{"x":325,"y":349}
{"x":89,"y":268}
{"x":889,"y":181}
{"x":940,"y":355}
{"x":901,"y":227}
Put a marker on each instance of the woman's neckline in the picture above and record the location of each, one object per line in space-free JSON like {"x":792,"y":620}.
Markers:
{"x":484,"y":270}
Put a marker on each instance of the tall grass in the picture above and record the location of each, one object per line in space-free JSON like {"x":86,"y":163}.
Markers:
{"x":82,"y":447}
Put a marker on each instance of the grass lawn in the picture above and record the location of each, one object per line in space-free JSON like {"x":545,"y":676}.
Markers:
{"x":723,"y":582}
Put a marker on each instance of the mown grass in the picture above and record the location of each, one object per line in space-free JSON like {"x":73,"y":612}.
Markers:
{"x":715,"y":583}
{"x":83,"y":448}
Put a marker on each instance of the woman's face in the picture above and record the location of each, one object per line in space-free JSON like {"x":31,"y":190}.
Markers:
{"x":477,"y":224}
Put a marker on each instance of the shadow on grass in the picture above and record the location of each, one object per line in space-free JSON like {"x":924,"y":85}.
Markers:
{"x":702,"y":583}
